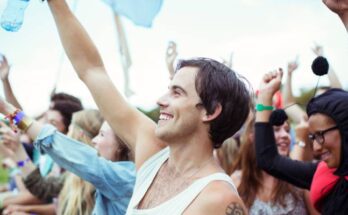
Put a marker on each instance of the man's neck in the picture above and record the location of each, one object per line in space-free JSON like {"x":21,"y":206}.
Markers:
{"x":188,"y":161}
{"x":188,"y":156}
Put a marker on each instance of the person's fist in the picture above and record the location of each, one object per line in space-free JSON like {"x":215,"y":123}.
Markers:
{"x":270,"y":83}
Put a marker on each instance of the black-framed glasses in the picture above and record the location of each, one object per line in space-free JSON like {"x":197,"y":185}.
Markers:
{"x":319,"y":135}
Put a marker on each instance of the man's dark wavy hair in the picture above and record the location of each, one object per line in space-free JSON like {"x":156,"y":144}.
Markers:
{"x":217,"y":84}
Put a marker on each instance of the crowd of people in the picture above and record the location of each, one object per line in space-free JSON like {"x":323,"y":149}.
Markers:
{"x":217,"y":147}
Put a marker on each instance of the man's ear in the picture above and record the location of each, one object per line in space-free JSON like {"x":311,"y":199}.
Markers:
{"x":212,"y":116}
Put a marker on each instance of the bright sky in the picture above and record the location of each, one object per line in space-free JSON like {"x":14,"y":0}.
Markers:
{"x":262,"y":34}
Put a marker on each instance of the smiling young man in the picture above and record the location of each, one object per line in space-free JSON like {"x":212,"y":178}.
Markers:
{"x":205,"y":104}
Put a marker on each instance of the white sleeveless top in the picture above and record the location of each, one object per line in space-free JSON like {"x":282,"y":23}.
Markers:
{"x":175,"y":205}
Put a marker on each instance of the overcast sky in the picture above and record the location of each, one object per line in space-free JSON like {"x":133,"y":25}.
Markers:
{"x":262,"y":34}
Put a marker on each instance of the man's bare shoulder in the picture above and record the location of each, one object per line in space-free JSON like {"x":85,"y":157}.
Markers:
{"x":218,"y":198}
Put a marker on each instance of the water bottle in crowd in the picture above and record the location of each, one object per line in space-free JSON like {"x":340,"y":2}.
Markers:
{"x":12,"y":17}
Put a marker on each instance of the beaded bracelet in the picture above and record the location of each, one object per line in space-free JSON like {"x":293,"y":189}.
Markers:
{"x":22,"y":163}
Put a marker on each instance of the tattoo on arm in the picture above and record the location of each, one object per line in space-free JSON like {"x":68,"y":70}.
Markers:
{"x":235,"y":209}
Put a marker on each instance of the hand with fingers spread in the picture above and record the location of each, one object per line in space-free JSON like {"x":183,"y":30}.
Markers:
{"x":4,"y":68}
{"x":333,"y":79}
{"x":292,"y":66}
{"x":171,"y":55}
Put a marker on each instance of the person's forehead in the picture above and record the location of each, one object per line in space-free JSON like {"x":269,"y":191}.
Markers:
{"x":105,"y":127}
{"x":284,"y":125}
{"x":185,"y":78}
{"x":319,"y":121}
{"x":53,"y":114}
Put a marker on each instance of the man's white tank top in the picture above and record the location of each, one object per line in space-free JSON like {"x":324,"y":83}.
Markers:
{"x":175,"y":205}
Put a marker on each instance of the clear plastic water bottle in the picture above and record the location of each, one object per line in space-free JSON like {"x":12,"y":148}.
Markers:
{"x":12,"y":17}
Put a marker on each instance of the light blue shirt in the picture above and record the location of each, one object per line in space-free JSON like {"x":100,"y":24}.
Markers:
{"x":114,"y":181}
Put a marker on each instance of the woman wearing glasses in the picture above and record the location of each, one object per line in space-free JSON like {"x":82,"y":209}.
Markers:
{"x":327,"y":180}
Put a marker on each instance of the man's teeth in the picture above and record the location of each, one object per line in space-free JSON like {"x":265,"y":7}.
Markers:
{"x":164,"y":117}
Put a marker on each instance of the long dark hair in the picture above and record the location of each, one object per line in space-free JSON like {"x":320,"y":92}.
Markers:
{"x":251,"y":180}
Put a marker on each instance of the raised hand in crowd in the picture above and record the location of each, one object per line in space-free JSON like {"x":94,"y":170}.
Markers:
{"x":11,"y":140}
{"x":340,"y":7}
{"x":318,"y":50}
{"x":4,"y":68}
{"x":4,"y":75}
{"x":171,"y":55}
{"x":292,"y":109}
{"x":302,"y":150}
{"x":269,"y":85}
{"x":9,"y":137}
{"x":292,"y":66}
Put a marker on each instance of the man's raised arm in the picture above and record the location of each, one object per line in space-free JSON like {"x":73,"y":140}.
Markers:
{"x":128,"y":123}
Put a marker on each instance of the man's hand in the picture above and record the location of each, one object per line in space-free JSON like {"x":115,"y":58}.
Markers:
{"x":337,"y":6}
{"x":4,"y":68}
{"x":340,"y":7}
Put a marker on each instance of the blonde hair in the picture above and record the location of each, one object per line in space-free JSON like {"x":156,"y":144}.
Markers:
{"x":77,"y":195}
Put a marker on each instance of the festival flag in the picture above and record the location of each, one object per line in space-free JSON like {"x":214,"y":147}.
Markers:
{"x":140,"y":12}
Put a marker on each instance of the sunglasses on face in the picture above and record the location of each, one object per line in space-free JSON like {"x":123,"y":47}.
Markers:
{"x":319,"y":136}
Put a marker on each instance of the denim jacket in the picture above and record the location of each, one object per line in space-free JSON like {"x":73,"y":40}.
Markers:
{"x":114,"y":181}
